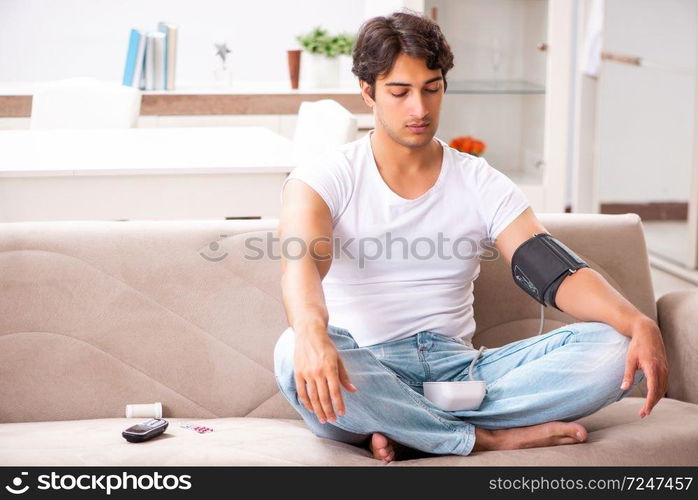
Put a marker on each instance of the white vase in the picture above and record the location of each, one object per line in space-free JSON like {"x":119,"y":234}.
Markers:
{"x":324,"y":71}
{"x":223,"y":76}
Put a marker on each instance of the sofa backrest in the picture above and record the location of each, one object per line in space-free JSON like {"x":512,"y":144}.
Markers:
{"x":95,"y":315}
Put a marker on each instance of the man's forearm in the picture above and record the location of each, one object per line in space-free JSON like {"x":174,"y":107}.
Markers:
{"x":587,"y":296}
{"x":303,"y":298}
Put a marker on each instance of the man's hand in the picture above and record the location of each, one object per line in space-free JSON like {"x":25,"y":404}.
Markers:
{"x":319,"y":371}
{"x":646,"y":352}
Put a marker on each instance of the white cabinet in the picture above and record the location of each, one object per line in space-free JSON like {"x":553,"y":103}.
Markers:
{"x":512,"y":87}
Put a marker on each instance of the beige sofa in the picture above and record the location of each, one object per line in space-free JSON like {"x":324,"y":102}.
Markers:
{"x":97,"y":315}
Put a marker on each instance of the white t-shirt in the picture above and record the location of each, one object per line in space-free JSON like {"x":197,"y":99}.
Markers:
{"x":403,"y":266}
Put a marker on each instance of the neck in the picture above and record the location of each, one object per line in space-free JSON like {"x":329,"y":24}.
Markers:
{"x":393,"y":155}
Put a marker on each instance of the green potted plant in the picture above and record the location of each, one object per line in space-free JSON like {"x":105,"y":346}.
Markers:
{"x":325,"y":51}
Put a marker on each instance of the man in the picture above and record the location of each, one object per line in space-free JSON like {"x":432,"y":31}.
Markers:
{"x":378,"y":324}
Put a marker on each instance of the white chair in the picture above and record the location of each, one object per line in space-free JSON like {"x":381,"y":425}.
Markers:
{"x":321,"y":126}
{"x":84,"y":103}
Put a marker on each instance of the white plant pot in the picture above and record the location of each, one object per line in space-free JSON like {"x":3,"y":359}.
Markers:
{"x":346,"y":77}
{"x":323,"y":71}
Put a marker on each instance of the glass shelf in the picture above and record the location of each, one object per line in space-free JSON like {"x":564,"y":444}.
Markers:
{"x":494,"y":87}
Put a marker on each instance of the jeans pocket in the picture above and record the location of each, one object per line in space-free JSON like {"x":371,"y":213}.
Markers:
{"x":341,"y":337}
{"x":441,"y":336}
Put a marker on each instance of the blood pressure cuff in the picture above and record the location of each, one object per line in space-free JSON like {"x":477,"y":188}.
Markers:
{"x":540,"y":264}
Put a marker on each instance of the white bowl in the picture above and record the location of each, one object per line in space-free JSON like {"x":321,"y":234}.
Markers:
{"x":455,"y":396}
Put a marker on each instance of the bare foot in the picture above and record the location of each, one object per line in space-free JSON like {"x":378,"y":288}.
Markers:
{"x":548,"y":434}
{"x":382,"y":447}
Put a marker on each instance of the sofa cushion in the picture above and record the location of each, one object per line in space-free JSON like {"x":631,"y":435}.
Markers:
{"x":616,"y":436}
{"x":668,"y":436}
{"x":234,"y":441}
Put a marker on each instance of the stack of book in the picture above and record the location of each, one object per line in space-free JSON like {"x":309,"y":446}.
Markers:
{"x":151,"y":58}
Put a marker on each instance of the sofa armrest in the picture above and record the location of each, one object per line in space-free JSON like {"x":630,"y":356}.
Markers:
{"x":678,"y":320}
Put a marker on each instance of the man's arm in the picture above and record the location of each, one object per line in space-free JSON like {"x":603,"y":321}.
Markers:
{"x":587,"y":296}
{"x":304,"y":217}
{"x":305,"y":223}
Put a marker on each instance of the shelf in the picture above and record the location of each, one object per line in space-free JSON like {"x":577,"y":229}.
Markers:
{"x":238,"y":99}
{"x":494,"y":87}
{"x":252,"y":88}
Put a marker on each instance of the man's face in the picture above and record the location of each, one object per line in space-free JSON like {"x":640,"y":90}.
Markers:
{"x":410,"y":94}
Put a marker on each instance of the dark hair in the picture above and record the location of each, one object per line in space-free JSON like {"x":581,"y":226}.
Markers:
{"x":381,"y":39}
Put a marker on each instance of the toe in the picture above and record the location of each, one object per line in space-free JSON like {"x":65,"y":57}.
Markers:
{"x":580,"y":433}
{"x":568,"y":440}
{"x":382,"y":447}
{"x":379,"y":444}
{"x":571,"y":430}
{"x":378,"y":440}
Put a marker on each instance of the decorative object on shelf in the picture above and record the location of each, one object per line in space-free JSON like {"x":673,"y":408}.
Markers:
{"x":324,"y":50}
{"x":223,"y":74}
{"x":468,"y":144}
{"x":294,"y":66}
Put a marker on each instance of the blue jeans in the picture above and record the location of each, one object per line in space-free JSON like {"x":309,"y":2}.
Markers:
{"x":564,"y":374}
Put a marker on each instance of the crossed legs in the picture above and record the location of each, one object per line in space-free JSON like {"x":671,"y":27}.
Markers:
{"x":536,"y":388}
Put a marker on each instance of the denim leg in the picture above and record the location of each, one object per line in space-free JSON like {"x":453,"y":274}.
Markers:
{"x":283,"y":371}
{"x":382,"y":403}
{"x":566,"y":374}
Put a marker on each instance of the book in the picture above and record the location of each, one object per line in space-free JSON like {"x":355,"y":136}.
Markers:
{"x":134,"y":59}
{"x":154,"y":60}
{"x":138,"y":77}
{"x":170,"y":31}
{"x":159,"y":57}
{"x":149,"y":67}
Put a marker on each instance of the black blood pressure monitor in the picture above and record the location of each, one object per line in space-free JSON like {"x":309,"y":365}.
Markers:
{"x":146,"y":430}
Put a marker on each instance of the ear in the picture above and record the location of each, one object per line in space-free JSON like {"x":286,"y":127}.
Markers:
{"x":365,"y":89}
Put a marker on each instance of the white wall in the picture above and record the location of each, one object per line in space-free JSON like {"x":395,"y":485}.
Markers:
{"x":51,"y":39}
{"x":646,"y":116}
